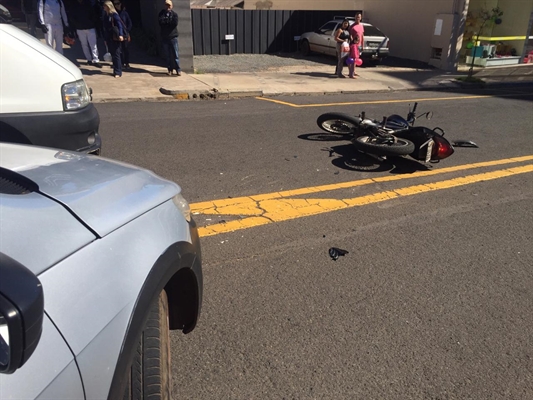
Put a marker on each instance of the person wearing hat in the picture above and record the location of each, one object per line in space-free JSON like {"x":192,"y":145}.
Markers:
{"x":168,"y":22}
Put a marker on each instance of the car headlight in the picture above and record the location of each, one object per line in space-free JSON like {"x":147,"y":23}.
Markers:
{"x":75,"y":95}
{"x":183,"y":206}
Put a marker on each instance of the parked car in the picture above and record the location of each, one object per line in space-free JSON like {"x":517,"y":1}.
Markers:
{"x":375,"y":46}
{"x":44,"y":99}
{"x":98,"y":261}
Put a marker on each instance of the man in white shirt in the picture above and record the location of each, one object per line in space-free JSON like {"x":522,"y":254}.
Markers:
{"x":52,"y":17}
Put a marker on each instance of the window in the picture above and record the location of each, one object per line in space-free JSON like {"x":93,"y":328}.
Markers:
{"x":328,"y":28}
{"x":373,"y":31}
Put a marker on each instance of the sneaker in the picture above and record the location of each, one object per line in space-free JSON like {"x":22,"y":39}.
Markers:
{"x":178,"y":73}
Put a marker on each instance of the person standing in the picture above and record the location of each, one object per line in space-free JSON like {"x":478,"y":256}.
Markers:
{"x":354,"y":53}
{"x":31,"y":11}
{"x":168,"y":22}
{"x":84,"y":19}
{"x":357,"y":30}
{"x":53,"y":18}
{"x":113,"y":35}
{"x":342,"y":35}
{"x":126,"y":20}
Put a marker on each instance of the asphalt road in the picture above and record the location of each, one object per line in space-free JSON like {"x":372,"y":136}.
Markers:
{"x":434,"y":299}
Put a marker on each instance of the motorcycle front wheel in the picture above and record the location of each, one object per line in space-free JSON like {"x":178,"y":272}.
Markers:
{"x":372,"y":145}
{"x":337,"y":123}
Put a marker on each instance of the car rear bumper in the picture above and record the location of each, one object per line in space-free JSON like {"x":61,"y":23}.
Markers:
{"x":374,"y":54}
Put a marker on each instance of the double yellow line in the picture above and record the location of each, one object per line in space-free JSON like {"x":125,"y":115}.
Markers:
{"x":274,"y":207}
{"x":351,"y":103}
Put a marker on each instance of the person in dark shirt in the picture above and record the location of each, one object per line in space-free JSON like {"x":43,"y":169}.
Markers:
{"x":30,"y":10}
{"x":168,"y":21}
{"x":126,"y":20}
{"x":113,"y":35}
{"x":82,"y":15}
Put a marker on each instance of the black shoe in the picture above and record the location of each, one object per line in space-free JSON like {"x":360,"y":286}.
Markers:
{"x":178,"y":73}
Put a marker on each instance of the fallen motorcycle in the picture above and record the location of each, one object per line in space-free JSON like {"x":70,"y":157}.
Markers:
{"x":393,"y":136}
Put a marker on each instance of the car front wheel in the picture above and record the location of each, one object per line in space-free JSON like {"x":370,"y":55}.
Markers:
{"x":149,"y":378}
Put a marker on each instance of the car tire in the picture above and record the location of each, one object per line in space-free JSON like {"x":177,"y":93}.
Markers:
{"x":304,"y":47}
{"x":150,"y":375}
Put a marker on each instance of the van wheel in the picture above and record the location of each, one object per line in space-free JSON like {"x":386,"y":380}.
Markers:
{"x":149,"y":378}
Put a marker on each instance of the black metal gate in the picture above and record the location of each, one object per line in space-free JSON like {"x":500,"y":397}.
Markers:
{"x":219,"y":31}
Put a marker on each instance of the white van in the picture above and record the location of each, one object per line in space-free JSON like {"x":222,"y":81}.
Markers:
{"x":43,"y":98}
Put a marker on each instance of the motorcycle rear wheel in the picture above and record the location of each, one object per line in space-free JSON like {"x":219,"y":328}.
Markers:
{"x":337,"y":123}
{"x":369,"y":144}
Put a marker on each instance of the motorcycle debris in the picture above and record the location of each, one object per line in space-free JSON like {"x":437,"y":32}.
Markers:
{"x":464,"y":143}
{"x":335,"y":253}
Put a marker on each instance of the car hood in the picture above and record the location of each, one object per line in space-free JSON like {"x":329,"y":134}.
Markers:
{"x":103,"y":194}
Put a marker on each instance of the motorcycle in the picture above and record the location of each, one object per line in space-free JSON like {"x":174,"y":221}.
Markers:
{"x":393,"y":136}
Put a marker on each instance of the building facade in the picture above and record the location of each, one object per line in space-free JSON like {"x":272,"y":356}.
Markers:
{"x":439,"y":32}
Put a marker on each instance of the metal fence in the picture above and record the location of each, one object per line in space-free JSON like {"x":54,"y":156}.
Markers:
{"x":218,"y":31}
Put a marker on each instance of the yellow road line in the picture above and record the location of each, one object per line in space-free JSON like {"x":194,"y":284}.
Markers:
{"x":351,"y":103}
{"x":272,"y":209}
{"x":246,"y":205}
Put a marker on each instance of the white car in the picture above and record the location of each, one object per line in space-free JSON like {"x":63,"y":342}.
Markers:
{"x":375,"y":46}
{"x":98,"y":261}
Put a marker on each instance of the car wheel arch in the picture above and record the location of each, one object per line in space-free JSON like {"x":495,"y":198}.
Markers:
{"x":173,"y":273}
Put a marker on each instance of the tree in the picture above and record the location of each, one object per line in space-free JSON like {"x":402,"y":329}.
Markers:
{"x":487,"y":18}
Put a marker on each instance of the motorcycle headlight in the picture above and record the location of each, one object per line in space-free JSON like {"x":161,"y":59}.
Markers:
{"x":183,"y":206}
{"x":75,"y":95}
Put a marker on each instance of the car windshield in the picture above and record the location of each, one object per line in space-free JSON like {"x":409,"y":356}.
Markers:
{"x":327,"y":29}
{"x":371,"y":30}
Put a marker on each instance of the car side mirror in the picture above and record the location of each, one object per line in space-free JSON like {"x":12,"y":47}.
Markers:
{"x":21,"y":314}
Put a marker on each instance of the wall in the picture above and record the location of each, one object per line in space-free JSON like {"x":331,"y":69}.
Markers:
{"x":409,"y":24}
{"x":254,"y":31}
{"x":299,"y":4}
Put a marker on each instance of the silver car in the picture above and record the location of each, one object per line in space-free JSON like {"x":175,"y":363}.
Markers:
{"x":375,"y":46}
{"x":98,"y":261}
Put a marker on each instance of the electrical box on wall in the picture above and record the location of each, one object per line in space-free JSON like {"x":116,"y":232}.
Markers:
{"x":441,"y":41}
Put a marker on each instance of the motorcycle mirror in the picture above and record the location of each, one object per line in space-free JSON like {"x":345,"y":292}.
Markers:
{"x":429,"y":115}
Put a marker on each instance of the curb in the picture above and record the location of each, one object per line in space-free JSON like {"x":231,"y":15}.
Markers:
{"x":214,"y":94}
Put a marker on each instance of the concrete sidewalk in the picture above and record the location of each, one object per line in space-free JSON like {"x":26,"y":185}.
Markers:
{"x":147,"y":81}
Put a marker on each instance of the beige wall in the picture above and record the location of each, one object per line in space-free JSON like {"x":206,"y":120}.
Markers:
{"x":410,"y":24}
{"x":395,"y":18}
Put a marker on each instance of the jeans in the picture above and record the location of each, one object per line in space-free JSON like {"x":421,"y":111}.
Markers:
{"x":170,"y":49}
{"x":115,"y":50}
{"x":125,"y":52}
